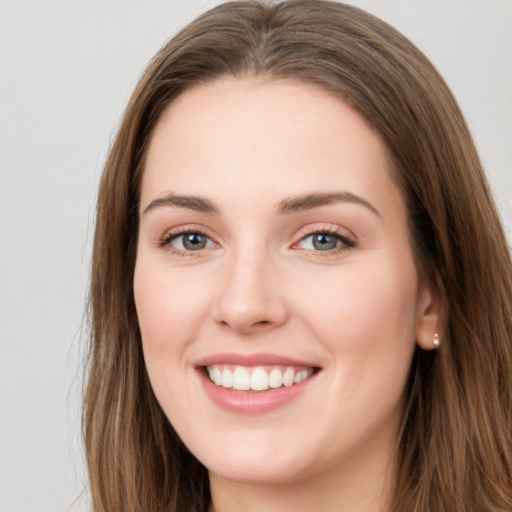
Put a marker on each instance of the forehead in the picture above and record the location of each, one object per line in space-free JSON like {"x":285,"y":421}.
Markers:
{"x":272,"y":137}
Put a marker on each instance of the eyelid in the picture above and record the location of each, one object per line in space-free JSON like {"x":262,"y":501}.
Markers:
{"x":171,"y":234}
{"x":349,"y":241}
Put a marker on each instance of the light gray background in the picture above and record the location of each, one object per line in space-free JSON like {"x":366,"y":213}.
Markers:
{"x":66,"y":71}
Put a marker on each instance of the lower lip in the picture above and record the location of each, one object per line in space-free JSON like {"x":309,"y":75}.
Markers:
{"x":251,"y":402}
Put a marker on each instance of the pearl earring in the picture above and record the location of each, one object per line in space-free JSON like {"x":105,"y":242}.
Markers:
{"x":436,"y":340}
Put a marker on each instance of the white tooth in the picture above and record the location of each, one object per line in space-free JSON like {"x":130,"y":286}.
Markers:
{"x":241,"y":379}
{"x":303,"y":375}
{"x":259,"y":379}
{"x":217,"y":376}
{"x":227,"y":378}
{"x":211,"y":373}
{"x":275,"y":379}
{"x":298,"y":377}
{"x":288,"y":377}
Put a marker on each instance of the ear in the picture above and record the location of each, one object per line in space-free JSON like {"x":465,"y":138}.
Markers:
{"x":430,"y":319}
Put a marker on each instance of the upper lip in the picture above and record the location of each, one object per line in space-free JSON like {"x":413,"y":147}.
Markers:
{"x":256,"y":359}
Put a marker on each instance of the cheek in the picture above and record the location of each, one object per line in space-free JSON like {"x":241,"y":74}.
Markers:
{"x":168,"y":305}
{"x":366,"y":316}
{"x":366,"y":323}
{"x":169,"y":310}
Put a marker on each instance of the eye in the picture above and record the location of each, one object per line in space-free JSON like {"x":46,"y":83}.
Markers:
{"x":325,"y":241}
{"x":189,"y":241}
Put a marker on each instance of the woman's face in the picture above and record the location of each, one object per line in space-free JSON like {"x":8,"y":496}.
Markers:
{"x":274,"y":247}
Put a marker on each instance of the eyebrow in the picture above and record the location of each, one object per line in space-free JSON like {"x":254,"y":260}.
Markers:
{"x":199,"y":204}
{"x":286,"y":206}
{"x":315,"y":200}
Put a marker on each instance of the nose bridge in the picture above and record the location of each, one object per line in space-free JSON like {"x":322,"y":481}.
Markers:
{"x":250,"y":297}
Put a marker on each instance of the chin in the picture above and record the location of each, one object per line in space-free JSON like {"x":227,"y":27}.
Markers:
{"x":253,"y":462}
{"x":256,"y":471}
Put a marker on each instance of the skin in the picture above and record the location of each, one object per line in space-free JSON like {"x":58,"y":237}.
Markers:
{"x":261,"y":285}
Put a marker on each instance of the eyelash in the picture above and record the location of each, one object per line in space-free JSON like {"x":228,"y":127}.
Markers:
{"x":346,"y":243}
{"x":167,"y":239}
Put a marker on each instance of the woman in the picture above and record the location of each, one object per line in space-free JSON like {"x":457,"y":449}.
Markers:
{"x":301,"y":290}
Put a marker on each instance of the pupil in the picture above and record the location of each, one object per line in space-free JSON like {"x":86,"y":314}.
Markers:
{"x":194,"y":241}
{"x":324,"y":242}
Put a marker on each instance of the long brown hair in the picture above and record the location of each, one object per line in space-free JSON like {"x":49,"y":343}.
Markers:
{"x":455,"y":446}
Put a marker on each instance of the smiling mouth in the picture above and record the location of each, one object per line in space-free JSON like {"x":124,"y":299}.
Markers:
{"x":257,"y":378}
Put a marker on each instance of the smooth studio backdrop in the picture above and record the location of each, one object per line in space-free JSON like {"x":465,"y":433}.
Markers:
{"x":67,"y":69}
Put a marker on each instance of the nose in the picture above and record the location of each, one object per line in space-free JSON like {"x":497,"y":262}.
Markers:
{"x":250,"y":297}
